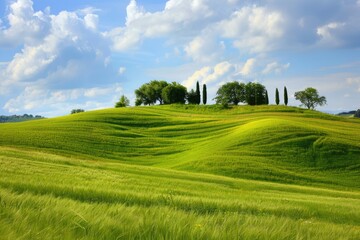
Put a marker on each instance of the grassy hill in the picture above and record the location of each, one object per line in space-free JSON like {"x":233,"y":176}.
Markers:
{"x":182,"y":172}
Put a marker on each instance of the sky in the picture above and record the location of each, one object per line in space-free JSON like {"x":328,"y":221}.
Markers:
{"x":56,"y":56}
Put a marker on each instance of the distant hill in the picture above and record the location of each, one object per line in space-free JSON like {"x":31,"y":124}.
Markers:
{"x":347,"y":113}
{"x":19,"y":118}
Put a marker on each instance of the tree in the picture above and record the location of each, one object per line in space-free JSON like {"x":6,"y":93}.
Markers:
{"x":310,"y":98}
{"x":204,"y":95}
{"x":357,"y":114}
{"x":192,"y":97}
{"x":277,"y":98}
{"x":150,"y":93}
{"x":158,"y":86}
{"x":174,"y":93}
{"x":266,"y":98}
{"x":231,"y":93}
{"x":77,"y":111}
{"x":255,"y":94}
{"x":145,"y":95}
{"x":286,"y":99}
{"x":198,"y":97}
{"x":123,"y":102}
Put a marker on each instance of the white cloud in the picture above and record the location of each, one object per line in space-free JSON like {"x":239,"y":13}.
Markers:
{"x":275,"y":67}
{"x":53,"y":66}
{"x":204,"y":49}
{"x":223,"y":71}
{"x":122,"y":70}
{"x":39,"y":98}
{"x":25,"y":25}
{"x":255,"y":29}
{"x":248,"y":67}
{"x":328,"y":33}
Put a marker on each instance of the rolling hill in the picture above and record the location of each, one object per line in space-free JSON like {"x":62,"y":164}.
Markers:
{"x":182,"y":172}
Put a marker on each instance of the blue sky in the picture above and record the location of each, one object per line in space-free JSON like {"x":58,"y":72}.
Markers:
{"x":60,"y":55}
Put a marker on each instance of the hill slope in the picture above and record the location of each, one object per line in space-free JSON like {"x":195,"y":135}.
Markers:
{"x":269,"y":143}
{"x":181,"y":172}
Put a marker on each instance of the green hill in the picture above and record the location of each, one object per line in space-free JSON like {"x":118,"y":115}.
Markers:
{"x":182,"y":172}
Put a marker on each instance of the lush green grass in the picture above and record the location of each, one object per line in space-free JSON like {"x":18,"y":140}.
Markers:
{"x":181,"y":172}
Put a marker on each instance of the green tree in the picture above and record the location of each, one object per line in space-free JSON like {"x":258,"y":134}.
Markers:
{"x":255,"y":93}
{"x":150,"y":93}
{"x":266,"y":98}
{"x":277,"y":97}
{"x":198,"y":99}
{"x":123,"y":102}
{"x":310,"y":98}
{"x":174,"y":93}
{"x":145,"y":95}
{"x":158,"y":86}
{"x":204,"y":95}
{"x":77,"y":111}
{"x":192,"y":97}
{"x":286,"y":99}
{"x":231,"y":93}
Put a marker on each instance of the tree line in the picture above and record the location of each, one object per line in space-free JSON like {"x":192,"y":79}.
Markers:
{"x":251,"y":93}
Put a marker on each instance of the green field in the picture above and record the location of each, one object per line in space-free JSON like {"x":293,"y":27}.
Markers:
{"x":182,"y":172}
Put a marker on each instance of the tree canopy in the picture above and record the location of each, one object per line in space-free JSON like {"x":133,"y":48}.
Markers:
{"x":255,"y":94}
{"x":192,"y":97}
{"x":123,"y":102}
{"x":277,"y":97}
{"x":174,"y":93}
{"x":204,"y":96}
{"x":150,"y":93}
{"x":231,"y":93}
{"x":286,"y":98}
{"x":310,"y":98}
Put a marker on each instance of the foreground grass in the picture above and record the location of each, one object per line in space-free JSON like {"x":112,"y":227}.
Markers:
{"x":44,"y":196}
{"x":181,"y":172}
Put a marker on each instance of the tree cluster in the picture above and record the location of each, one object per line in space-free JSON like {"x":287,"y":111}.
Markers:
{"x":161,"y":92}
{"x":150,"y":93}
{"x":230,"y":93}
{"x":77,"y":111}
{"x":235,"y":93}
{"x":19,"y":118}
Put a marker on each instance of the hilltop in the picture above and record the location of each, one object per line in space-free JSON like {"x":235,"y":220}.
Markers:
{"x":182,"y":172}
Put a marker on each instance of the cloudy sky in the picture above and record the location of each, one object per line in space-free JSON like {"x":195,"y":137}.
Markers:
{"x":60,"y":55}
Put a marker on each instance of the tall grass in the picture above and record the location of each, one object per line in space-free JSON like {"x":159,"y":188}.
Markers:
{"x":181,"y":172}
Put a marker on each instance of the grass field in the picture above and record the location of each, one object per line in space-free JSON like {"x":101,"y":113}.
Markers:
{"x":181,"y":172}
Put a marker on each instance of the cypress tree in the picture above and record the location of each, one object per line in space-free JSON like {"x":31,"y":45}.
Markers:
{"x":204,"y":96}
{"x":198,"y":93}
{"x":266,"y":98}
{"x":277,"y":98}
{"x":285,"y":96}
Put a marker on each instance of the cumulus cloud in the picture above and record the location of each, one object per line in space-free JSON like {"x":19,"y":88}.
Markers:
{"x":54,"y":60}
{"x":25,"y":25}
{"x":248,"y":67}
{"x":253,"y":28}
{"x":267,"y":26}
{"x":204,"y":49}
{"x":212,"y":75}
{"x":275,"y":67}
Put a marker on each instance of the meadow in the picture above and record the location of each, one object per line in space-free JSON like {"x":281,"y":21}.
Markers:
{"x":181,"y":172}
